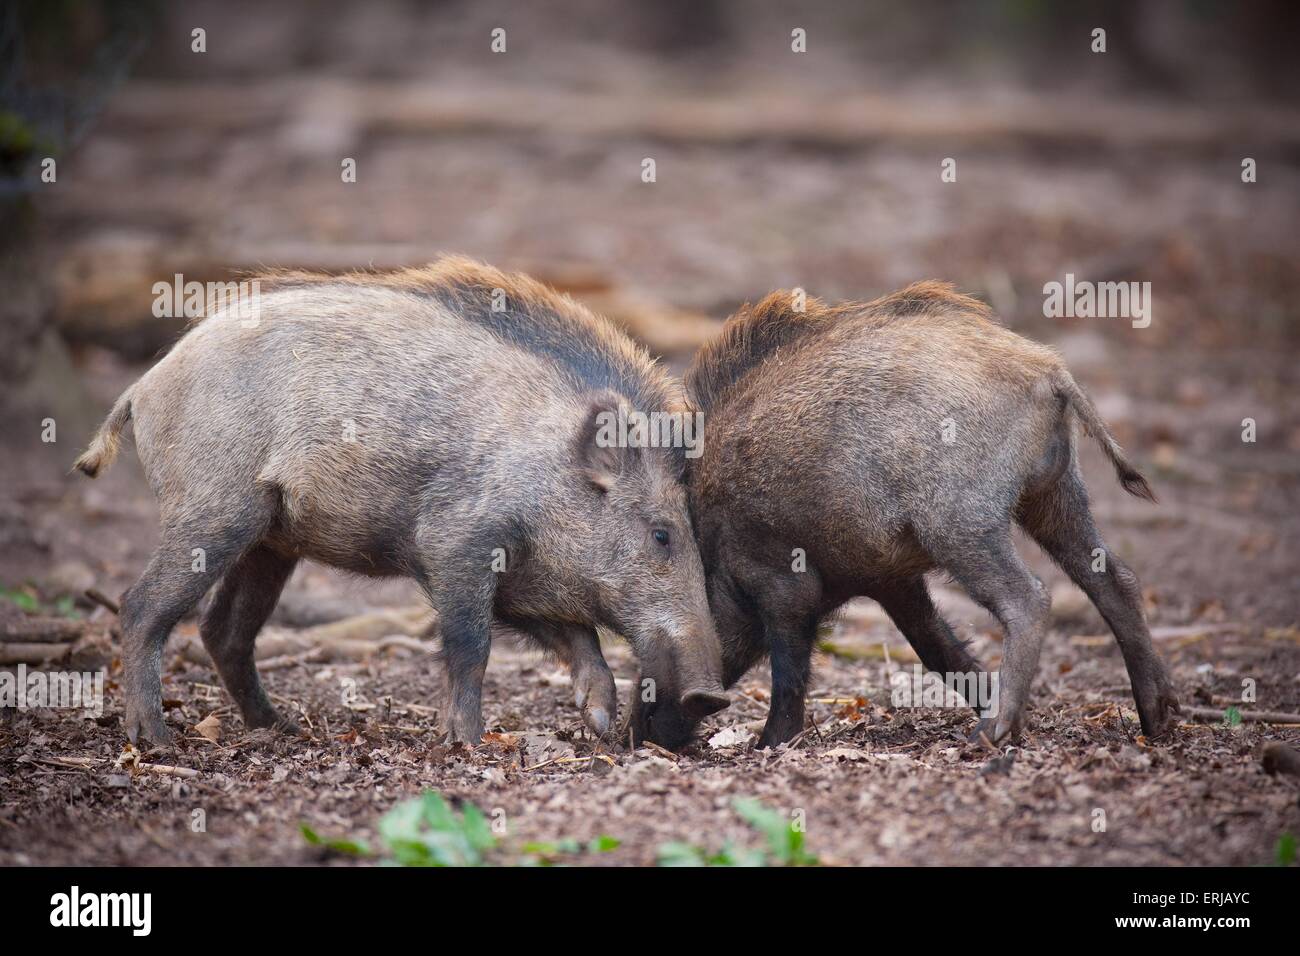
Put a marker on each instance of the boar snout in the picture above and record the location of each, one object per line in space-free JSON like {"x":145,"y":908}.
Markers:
{"x":699,"y":675}
{"x":675,"y":691}
{"x":660,"y":722}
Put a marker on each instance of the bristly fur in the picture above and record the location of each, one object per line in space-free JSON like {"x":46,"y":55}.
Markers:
{"x":399,"y":424}
{"x":758,"y":332}
{"x":865,"y":446}
{"x":588,"y":347}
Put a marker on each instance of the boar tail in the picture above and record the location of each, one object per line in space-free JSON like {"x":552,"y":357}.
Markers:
{"x":1068,"y":390}
{"x":103,"y":447}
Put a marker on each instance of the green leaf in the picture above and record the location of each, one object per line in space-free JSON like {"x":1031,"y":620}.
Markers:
{"x":739,"y":856}
{"x":436,"y":812}
{"x":679,"y":854}
{"x":603,"y":844}
{"x":784,"y":842}
{"x":351,"y":847}
{"x":773,"y":825}
{"x":477,"y":829}
{"x":426,"y":831}
{"x":1286,"y":850}
{"x":22,"y":599}
{"x":1232,"y":717}
{"x":402,"y":823}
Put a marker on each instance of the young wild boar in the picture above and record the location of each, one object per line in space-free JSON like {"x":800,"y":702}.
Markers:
{"x":878,"y":442}
{"x":401,"y":425}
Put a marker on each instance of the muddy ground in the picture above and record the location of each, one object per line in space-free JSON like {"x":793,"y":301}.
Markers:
{"x":240,"y":151}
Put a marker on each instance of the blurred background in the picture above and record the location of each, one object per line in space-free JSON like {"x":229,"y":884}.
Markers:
{"x":773,"y":168}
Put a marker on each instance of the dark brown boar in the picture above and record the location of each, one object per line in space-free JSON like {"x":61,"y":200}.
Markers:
{"x":440,"y":423}
{"x":825,"y":431}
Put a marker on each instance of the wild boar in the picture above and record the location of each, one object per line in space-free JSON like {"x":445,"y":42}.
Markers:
{"x":849,"y":450}
{"x":441,"y":423}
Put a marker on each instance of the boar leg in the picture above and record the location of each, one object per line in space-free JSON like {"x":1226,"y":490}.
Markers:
{"x":995,"y":577}
{"x":790,"y":645}
{"x":466,"y":644}
{"x":243,"y":602}
{"x":908,"y":604}
{"x":170,"y":586}
{"x":1060,"y":521}
{"x":593,"y":684}
{"x":465,"y":623}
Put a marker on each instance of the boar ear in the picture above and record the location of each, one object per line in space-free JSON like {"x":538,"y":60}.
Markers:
{"x":599,"y":447}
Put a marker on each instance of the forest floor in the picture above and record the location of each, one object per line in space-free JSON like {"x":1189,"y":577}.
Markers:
{"x":851,"y":208}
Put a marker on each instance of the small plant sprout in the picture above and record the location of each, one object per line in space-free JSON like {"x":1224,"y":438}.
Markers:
{"x":427,"y":831}
{"x":784,"y":837}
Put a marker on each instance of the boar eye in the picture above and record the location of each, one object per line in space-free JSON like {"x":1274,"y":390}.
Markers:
{"x":661,"y":536}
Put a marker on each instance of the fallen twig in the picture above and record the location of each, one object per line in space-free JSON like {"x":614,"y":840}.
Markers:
{"x":1170,"y":633}
{"x":14,"y":653}
{"x":1215,"y":714}
{"x":409,"y":643}
{"x":1195,"y":630}
{"x":91,"y":763}
{"x":41,"y":630}
{"x":546,"y":763}
{"x":291,"y":660}
{"x":167,"y":771}
{"x":661,"y":751}
{"x":102,"y":599}
{"x":82,"y":762}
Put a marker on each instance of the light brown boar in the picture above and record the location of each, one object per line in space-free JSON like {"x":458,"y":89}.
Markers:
{"x":401,"y":425}
{"x":881,"y":441}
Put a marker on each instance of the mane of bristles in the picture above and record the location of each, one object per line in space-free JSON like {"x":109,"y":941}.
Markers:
{"x":927,"y":296}
{"x":758,"y":332}
{"x":593,"y":350}
{"x":746,"y":341}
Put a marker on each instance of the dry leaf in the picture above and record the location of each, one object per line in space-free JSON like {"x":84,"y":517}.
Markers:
{"x":129,"y":757}
{"x":209,"y":727}
{"x":730,"y":737}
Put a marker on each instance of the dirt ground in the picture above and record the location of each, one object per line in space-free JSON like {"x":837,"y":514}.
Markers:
{"x":239,"y":151}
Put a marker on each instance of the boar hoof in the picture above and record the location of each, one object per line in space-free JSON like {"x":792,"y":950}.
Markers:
{"x":597,"y":720}
{"x":1161,"y":717}
{"x":983,"y":732}
{"x":291,"y":727}
{"x":147,"y":727}
{"x":992,"y":731}
{"x":773,"y":737}
{"x":597,"y":698}
{"x":467,"y":732}
{"x":271,"y":719}
{"x":283,"y":725}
